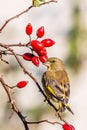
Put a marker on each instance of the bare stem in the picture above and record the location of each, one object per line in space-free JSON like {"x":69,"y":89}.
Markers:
{"x":23,"y":12}
{"x":44,"y":121}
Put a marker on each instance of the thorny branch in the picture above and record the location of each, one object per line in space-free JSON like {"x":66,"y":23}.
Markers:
{"x":23,"y":12}
{"x":13,"y":103}
{"x":15,"y":108}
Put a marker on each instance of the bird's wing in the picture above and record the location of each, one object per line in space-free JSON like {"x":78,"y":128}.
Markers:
{"x":57,"y":84}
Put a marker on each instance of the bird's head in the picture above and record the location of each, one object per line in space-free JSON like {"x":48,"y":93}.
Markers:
{"x":54,"y":63}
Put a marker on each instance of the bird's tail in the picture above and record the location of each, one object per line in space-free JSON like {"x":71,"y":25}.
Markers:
{"x":63,"y":106}
{"x":68,"y":108}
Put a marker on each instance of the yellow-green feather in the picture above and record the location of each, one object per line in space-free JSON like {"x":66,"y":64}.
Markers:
{"x":51,"y":90}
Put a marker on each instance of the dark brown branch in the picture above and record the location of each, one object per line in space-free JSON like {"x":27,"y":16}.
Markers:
{"x":13,"y":104}
{"x":23,"y":12}
{"x":44,"y":121}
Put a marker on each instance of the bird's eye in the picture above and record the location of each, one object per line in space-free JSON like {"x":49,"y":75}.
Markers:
{"x":53,"y":61}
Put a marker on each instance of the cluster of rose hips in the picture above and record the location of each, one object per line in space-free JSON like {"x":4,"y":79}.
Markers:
{"x":38,"y":48}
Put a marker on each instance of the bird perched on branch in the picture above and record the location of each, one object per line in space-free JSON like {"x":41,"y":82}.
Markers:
{"x":56,"y":83}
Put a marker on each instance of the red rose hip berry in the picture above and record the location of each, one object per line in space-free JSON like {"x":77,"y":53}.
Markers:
{"x":37,"y":45}
{"x":40,"y":32}
{"x":48,"y":42}
{"x":68,"y":127}
{"x":27,"y":56}
{"x":41,"y":52}
{"x":43,"y":58}
{"x":29,"y":29}
{"x":35,"y":60}
{"x":22,"y":84}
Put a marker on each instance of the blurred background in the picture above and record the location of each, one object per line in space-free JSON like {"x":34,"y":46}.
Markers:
{"x":66,"y":23}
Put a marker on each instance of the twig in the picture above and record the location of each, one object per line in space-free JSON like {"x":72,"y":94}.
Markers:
{"x":16,"y":45}
{"x":13,"y":104}
{"x":45,"y":121}
{"x":5,"y":52}
{"x":21,"y":13}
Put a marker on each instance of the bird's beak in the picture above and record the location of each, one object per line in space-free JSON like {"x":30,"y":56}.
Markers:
{"x":46,"y":63}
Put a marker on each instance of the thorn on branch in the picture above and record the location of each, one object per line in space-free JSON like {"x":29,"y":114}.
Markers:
{"x":4,"y":61}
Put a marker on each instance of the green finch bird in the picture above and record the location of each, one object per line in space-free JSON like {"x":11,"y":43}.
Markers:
{"x":56,"y":83}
